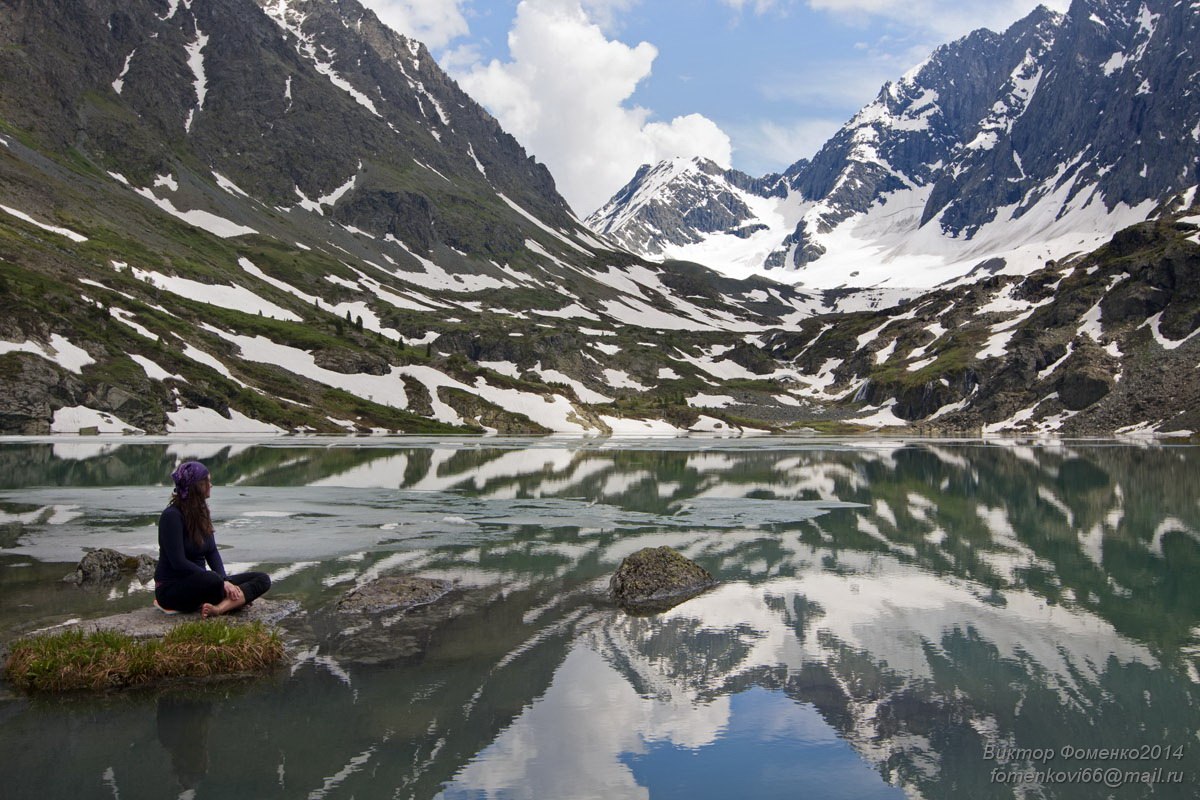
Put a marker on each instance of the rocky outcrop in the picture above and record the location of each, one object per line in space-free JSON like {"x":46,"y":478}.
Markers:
{"x":28,"y":400}
{"x":656,"y":578}
{"x":1082,"y":387}
{"x":351,"y":362}
{"x":149,"y":622}
{"x":103,"y":565}
{"x":392,"y":593}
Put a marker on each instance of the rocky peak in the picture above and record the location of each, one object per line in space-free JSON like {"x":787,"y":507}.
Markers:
{"x":676,"y":202}
{"x":1058,"y":131}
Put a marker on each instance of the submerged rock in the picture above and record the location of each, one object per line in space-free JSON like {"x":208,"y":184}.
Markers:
{"x":388,"y":619}
{"x":657,"y":578}
{"x":392,"y":593}
{"x":103,"y":565}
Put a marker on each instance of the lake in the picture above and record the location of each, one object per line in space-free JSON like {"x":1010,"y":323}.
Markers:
{"x":895,"y":618}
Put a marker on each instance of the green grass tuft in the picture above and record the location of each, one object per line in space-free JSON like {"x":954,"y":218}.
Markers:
{"x":73,"y":660}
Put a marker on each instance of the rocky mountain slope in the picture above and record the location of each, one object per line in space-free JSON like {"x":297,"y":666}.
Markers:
{"x":1105,"y":342}
{"x":1023,"y":146}
{"x":221,"y":216}
{"x":221,"y":210}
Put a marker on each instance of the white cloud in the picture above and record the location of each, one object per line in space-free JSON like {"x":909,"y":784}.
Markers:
{"x":607,"y":13}
{"x":563,"y":95}
{"x":757,"y":6}
{"x":433,"y":22}
{"x":692,"y":135}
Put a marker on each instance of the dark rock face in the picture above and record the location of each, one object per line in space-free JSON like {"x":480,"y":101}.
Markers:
{"x":657,"y":578}
{"x":104,"y":566}
{"x":351,"y":362}
{"x":393,"y":593}
{"x":1080,"y":388}
{"x":28,"y":401}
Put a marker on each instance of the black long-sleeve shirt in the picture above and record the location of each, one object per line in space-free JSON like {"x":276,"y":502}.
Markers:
{"x":178,"y":557}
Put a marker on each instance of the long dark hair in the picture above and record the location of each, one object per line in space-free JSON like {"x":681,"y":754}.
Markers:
{"x":197,"y":524}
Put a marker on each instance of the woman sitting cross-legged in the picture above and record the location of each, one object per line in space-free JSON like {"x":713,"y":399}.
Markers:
{"x":186,"y":542}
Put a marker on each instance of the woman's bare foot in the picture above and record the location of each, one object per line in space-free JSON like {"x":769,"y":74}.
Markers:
{"x":224,"y":607}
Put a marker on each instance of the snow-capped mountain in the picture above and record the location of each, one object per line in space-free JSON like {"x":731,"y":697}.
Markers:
{"x":1004,"y":150}
{"x":269,"y":216}
{"x":282,"y":215}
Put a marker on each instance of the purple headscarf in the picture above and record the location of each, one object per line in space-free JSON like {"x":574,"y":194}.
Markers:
{"x":187,"y":475}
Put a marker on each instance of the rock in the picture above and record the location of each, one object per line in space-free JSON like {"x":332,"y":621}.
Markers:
{"x":350,"y":362}
{"x":1082,"y":387}
{"x":657,"y":578}
{"x":392,"y":593}
{"x":32,"y":390}
{"x":149,"y":622}
{"x":389,"y":619}
{"x":103,"y":565}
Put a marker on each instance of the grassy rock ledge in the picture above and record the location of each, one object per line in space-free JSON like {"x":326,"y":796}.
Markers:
{"x":106,"y":659}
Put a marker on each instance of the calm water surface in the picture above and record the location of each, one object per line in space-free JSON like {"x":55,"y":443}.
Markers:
{"x":895,"y":619}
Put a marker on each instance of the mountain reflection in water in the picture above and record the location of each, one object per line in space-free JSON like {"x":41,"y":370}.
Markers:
{"x":890,"y":613}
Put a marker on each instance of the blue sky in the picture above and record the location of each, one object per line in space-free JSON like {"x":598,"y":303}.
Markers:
{"x":594,"y":88}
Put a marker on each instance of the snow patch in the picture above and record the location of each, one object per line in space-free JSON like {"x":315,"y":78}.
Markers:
{"x":478,"y":166}
{"x":621,"y":380}
{"x":21,"y":215}
{"x":229,"y":185}
{"x":236,"y":298}
{"x":119,"y":83}
{"x":711,"y":401}
{"x":68,"y":356}
{"x":318,"y":206}
{"x":126,"y":318}
{"x":438,"y":279}
{"x":1163,"y":342}
{"x":201,"y":357}
{"x":77,"y":418}
{"x":621,"y":426}
{"x":573,"y":310}
{"x":554,"y":412}
{"x":542,"y":225}
{"x":195,"y":61}
{"x":153,"y":371}
{"x":881,"y":417}
{"x":206,"y":420}
{"x":207,"y":221}
{"x":581,"y":391}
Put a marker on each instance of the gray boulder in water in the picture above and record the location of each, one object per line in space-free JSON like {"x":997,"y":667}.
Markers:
{"x":103,"y":565}
{"x":656,"y":578}
{"x":391,"y":593}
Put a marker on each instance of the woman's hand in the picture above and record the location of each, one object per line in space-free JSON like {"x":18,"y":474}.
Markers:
{"x":234,"y":593}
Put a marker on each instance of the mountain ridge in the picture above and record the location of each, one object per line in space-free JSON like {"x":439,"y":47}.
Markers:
{"x":215,"y":219}
{"x":973,"y":155}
